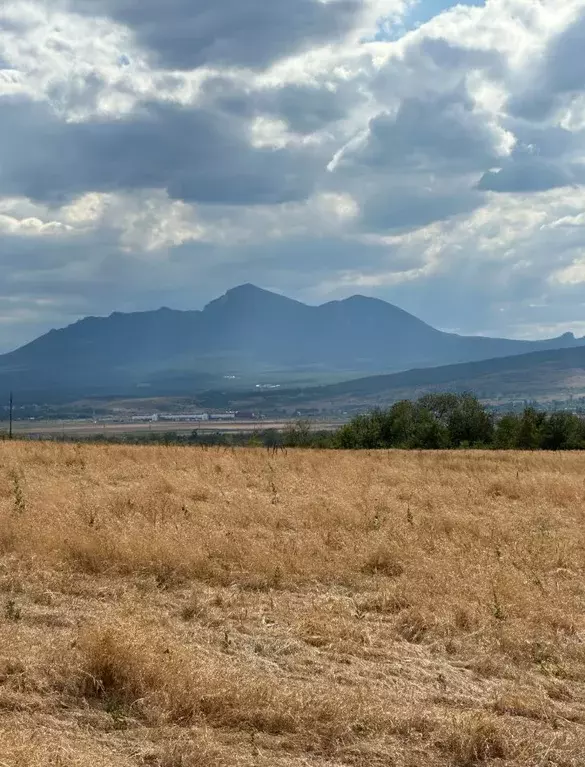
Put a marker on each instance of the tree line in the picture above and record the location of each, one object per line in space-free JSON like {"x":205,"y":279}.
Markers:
{"x":447,"y":421}
{"x":433,"y":422}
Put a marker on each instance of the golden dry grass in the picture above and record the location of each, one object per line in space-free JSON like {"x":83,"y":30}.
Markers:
{"x":168,"y":607}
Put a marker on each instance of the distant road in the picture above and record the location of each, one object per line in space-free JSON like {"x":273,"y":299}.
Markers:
{"x":89,"y":428}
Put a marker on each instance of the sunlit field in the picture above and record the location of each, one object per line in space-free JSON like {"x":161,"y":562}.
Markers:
{"x":171,"y":607}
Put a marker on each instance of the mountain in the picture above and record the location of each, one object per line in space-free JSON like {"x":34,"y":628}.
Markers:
{"x":552,"y":374}
{"x":249,"y":333}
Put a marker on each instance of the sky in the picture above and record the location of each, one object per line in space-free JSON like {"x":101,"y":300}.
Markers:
{"x":158,"y":153}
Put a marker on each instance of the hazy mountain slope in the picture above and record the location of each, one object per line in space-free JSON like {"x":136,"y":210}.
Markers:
{"x":246,"y":332}
{"x":552,"y":373}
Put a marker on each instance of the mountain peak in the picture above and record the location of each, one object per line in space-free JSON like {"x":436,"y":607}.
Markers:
{"x":249,"y":295}
{"x":359,"y":298}
{"x":379,"y":310}
{"x":247,"y":289}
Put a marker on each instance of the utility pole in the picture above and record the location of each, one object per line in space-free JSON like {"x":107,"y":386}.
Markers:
{"x":10,"y":427}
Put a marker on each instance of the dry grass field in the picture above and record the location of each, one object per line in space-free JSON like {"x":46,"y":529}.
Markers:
{"x":168,"y":607}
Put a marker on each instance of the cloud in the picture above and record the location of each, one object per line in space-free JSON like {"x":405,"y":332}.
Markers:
{"x":501,"y":267}
{"x":544,"y":157}
{"x":157,"y":153}
{"x":402,"y":207}
{"x":558,"y":76}
{"x":183,"y":34}
{"x":442,"y":132}
{"x":305,"y":108}
{"x":420,"y":163}
{"x":191,"y":153}
{"x":528,"y":174}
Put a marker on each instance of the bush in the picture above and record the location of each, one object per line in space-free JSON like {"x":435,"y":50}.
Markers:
{"x":440,"y":421}
{"x":435,"y":422}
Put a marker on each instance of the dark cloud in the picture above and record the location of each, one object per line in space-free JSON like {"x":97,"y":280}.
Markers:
{"x":441,"y":132}
{"x":544,"y":158}
{"x":304,"y":108}
{"x":307,"y":109}
{"x":565,"y":60}
{"x":185,"y":34}
{"x":559,"y":75}
{"x":528,"y":174}
{"x":193,"y":154}
{"x":531,"y":104}
{"x":404,"y":207}
{"x":420,"y":165}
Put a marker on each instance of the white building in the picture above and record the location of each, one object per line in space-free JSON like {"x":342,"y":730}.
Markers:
{"x":195,"y":417}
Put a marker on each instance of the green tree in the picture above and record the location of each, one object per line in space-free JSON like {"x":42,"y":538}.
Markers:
{"x":470,"y":424}
{"x":562,"y":431}
{"x":362,"y":433}
{"x":379,"y":429}
{"x":430,"y":433}
{"x":442,"y":405}
{"x":506,"y":435}
{"x":399,"y":425}
{"x":530,"y":429}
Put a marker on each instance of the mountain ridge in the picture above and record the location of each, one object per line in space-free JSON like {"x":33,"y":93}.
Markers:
{"x":547,"y":373}
{"x":248,"y":332}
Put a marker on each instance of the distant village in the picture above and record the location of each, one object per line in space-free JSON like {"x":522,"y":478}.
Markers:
{"x":195,"y":417}
{"x":113,"y":413}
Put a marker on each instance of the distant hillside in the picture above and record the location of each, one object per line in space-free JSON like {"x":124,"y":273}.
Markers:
{"x":248,"y":333}
{"x":546,"y":375}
